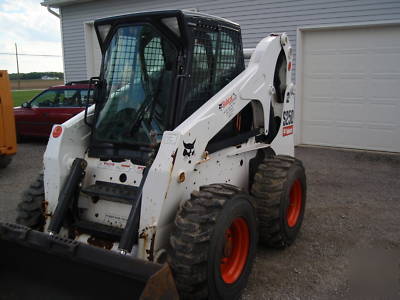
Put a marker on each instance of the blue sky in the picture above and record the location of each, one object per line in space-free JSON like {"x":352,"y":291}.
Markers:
{"x":35,"y":31}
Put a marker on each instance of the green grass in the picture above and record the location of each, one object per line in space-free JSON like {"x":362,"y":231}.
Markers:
{"x":20,"y":97}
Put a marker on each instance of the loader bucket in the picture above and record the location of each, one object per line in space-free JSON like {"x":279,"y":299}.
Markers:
{"x":35,"y":265}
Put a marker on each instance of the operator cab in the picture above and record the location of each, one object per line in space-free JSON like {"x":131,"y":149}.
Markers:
{"x":157,"y":69}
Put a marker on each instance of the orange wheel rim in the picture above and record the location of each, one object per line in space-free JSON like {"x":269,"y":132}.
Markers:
{"x":295,"y":202}
{"x":235,"y":251}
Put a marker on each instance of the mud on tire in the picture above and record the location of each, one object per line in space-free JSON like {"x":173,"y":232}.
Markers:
{"x":200,"y":258}
{"x":30,"y":211}
{"x":280,"y":191}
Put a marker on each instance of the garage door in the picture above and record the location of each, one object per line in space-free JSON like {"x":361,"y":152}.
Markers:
{"x":351,"y":88}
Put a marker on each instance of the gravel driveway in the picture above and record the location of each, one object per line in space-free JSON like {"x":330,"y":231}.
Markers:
{"x":350,"y":240}
{"x":24,"y":168}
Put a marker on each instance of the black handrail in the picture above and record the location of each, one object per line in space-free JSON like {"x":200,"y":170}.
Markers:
{"x":91,"y":80}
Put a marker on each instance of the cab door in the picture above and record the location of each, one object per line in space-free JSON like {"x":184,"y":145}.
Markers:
{"x":32,"y":119}
{"x":68,"y":105}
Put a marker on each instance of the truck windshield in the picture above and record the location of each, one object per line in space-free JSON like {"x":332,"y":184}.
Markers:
{"x":138,"y":72}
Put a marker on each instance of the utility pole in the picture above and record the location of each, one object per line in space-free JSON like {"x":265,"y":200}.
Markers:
{"x":16,"y":56}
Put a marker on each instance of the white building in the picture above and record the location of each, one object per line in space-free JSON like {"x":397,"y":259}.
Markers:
{"x":347,"y":58}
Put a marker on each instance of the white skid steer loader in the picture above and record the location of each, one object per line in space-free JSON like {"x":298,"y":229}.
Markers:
{"x":163,"y":188}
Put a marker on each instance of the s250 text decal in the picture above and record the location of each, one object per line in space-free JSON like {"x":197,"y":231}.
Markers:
{"x":287,"y":122}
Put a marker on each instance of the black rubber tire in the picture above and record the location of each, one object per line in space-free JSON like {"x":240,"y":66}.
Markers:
{"x":30,"y":211}
{"x":271,"y":188}
{"x":5,"y":160}
{"x":198,"y":240}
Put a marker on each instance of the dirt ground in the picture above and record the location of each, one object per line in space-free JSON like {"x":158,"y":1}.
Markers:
{"x":350,"y":241}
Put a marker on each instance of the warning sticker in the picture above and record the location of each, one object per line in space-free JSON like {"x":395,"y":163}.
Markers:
{"x":227,"y":106}
{"x":287,"y":130}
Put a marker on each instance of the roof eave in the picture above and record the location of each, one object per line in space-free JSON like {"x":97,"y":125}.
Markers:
{"x":60,"y":3}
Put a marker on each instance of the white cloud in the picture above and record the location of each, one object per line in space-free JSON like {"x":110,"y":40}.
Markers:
{"x":35,"y":31}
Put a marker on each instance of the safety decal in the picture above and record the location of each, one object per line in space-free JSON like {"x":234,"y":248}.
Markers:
{"x":287,"y":130}
{"x":287,"y":122}
{"x":226,"y":106}
{"x":140,"y":169}
{"x":123,"y":166}
{"x":106,"y":165}
{"x":189,"y":149}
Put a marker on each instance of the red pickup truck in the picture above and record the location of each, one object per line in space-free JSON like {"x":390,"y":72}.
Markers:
{"x":55,"y":105}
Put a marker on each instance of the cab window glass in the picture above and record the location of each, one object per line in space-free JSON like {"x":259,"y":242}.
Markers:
{"x":226,"y":66}
{"x":153,"y":56}
{"x":138,"y":71}
{"x":201,"y":76}
{"x":217,"y":59}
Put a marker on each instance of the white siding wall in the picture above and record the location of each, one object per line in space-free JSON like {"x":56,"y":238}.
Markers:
{"x":257,"y":18}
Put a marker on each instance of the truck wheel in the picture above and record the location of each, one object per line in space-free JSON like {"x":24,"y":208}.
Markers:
{"x":214,"y":243}
{"x":280,"y":191}
{"x":4,"y":161}
{"x":30,"y":211}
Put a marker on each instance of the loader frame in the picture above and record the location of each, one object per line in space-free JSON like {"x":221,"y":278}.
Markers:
{"x":183,"y":154}
{"x":8,"y":141}
{"x":114,"y":210}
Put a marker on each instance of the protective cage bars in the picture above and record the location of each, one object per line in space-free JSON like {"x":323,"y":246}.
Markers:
{"x":217,"y":59}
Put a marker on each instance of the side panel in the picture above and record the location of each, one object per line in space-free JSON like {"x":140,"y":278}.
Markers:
{"x":283,"y":143}
{"x":163,"y":190}
{"x":8,"y":143}
{"x":61,"y":152}
{"x":33,"y":121}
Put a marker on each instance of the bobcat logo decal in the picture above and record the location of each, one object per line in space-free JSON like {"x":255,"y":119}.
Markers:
{"x":189,"y":149}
